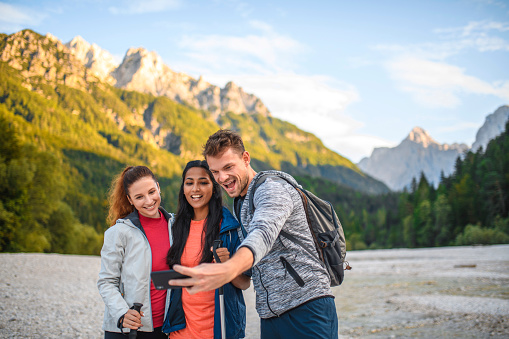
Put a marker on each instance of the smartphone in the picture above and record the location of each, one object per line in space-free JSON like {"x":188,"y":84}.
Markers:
{"x":161,"y":278}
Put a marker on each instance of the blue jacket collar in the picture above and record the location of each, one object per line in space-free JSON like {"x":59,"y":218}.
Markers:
{"x":229,"y":222}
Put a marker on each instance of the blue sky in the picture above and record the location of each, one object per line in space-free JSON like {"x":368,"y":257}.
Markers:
{"x":358,"y":74}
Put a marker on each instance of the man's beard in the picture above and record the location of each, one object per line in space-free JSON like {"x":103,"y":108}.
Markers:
{"x":244,"y":184}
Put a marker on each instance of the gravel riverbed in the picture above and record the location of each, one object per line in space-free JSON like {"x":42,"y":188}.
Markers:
{"x":450,"y":292}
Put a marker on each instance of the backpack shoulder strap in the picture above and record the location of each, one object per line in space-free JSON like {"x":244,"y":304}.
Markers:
{"x":304,"y":197}
{"x":236,"y":211}
{"x":260,"y":180}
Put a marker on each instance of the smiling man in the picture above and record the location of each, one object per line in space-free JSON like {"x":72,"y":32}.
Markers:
{"x":293,"y":296}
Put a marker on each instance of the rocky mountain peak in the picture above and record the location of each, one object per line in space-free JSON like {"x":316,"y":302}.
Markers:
{"x":52,"y":37}
{"x":99,"y":61}
{"x":149,"y":60}
{"x":136,"y":50}
{"x":421,"y":136}
{"x":140,"y":70}
{"x":146,"y":72}
{"x":231,"y":86}
{"x":141,"y":53}
{"x":79,"y":46}
{"x":417,"y":153}
{"x":42,"y":56}
{"x":493,"y":126}
{"x":143,"y":71}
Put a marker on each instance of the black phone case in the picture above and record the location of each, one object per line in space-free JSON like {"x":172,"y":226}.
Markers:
{"x":160,"y":279}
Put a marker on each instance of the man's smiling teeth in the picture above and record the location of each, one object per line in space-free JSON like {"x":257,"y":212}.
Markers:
{"x":227,"y":184}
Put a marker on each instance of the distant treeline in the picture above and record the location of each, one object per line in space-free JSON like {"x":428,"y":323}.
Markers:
{"x":469,"y":207}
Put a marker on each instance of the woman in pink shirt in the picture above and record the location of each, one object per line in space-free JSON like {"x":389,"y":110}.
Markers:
{"x":134,"y":246}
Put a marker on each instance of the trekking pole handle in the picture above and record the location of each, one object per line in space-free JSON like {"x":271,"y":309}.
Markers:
{"x":217,"y":243}
{"x":137,"y":308}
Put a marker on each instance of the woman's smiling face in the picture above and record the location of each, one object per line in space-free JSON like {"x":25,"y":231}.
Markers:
{"x":144,"y":195}
{"x":198,"y":191}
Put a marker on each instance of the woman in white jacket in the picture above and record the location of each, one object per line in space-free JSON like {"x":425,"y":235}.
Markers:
{"x":134,"y":246}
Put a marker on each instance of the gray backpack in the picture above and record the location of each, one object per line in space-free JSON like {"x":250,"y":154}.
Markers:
{"x":325,"y":228}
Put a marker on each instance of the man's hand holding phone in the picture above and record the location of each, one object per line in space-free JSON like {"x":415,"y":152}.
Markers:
{"x":161,"y":279}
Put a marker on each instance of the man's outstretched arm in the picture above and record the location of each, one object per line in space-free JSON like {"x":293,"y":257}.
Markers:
{"x":207,"y":277}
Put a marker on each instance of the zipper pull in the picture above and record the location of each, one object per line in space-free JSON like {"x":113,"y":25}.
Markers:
{"x":283,"y":261}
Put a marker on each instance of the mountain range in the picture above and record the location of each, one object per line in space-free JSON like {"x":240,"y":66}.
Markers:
{"x":420,"y":153}
{"x":142,"y":111}
{"x":417,"y":153}
{"x":145,"y":72}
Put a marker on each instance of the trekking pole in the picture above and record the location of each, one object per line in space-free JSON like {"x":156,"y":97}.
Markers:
{"x":134,"y":333}
{"x":217,"y":243}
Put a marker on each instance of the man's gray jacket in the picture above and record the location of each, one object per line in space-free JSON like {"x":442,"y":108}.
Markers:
{"x":277,"y":205}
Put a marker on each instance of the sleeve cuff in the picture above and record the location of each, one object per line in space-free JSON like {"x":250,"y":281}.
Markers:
{"x":252,"y":251}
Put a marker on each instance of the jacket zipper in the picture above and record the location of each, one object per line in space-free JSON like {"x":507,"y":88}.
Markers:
{"x":289,"y":268}
{"x":266,"y":292}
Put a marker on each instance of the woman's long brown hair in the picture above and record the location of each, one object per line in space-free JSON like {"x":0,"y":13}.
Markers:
{"x":120,"y":206}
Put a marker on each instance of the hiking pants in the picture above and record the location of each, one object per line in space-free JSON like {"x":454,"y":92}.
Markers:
{"x":314,"y":319}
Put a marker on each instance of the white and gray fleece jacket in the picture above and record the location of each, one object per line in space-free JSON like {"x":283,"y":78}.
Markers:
{"x":277,"y":205}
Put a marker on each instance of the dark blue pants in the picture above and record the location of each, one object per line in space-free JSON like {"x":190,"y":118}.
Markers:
{"x":313,"y":320}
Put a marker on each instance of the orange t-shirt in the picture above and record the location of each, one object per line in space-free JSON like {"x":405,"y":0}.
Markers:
{"x":199,"y":307}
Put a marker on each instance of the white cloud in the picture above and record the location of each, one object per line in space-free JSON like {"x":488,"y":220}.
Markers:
{"x":262,"y":52}
{"x":483,"y":36}
{"x":290,"y":93}
{"x":144,"y":6}
{"x":357,"y":146}
{"x":262,"y":26}
{"x":438,"y":84}
{"x":480,"y":35}
{"x":475,"y":28}
{"x":244,"y":9}
{"x":313,"y":103}
{"x":262,"y":64}
{"x":14,"y":18}
{"x":432,"y":51}
{"x":460,"y":126}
